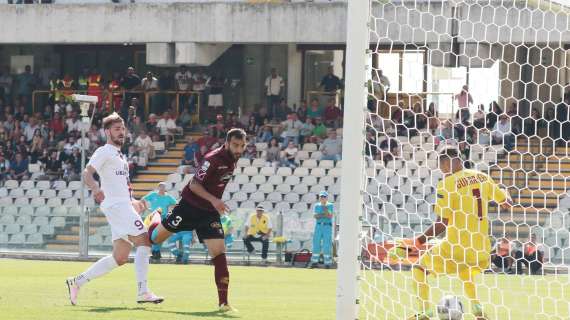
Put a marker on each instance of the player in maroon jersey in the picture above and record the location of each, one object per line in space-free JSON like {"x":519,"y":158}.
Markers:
{"x":201,"y":206}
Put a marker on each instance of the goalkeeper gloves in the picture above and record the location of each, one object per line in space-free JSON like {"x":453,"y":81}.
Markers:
{"x":403,"y":248}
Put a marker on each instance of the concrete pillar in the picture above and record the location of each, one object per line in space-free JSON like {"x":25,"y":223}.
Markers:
{"x":253,"y":76}
{"x":259,"y":59}
{"x":198,"y":54}
{"x":294,"y":74}
{"x":160,"y":53}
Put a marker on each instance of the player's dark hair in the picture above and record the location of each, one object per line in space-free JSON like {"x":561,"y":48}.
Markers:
{"x":235,"y":133}
{"x":111,"y":119}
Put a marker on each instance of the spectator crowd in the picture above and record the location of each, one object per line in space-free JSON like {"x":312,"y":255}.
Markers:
{"x":283,"y":136}
{"x":494,"y":127}
{"x":43,"y":140}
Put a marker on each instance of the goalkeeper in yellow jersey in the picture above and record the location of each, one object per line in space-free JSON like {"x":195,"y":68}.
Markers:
{"x":462,"y":202}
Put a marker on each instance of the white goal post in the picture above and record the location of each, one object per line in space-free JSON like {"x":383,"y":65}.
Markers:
{"x":353,"y":160}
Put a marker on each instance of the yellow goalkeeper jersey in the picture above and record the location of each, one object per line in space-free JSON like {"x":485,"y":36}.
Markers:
{"x":463,"y":199}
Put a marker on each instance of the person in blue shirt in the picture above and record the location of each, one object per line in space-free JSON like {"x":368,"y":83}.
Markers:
{"x":190,"y":150}
{"x":159,"y":200}
{"x":322,"y":237}
{"x":19,"y":168}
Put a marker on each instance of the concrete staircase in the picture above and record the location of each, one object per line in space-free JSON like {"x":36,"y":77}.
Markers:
{"x":158,"y":170}
{"x":536,"y":176}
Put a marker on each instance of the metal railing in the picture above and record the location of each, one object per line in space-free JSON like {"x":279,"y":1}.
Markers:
{"x":409,"y":99}
{"x":49,"y":225}
{"x":109,"y":98}
{"x":338,"y":96}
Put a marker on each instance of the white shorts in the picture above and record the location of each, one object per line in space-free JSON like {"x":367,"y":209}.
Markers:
{"x":215,"y":100}
{"x":124,"y":220}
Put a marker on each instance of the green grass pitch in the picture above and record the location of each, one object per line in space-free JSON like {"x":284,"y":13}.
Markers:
{"x":36,"y":290}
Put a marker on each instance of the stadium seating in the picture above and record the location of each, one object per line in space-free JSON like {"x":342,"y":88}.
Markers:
{"x":402,"y":191}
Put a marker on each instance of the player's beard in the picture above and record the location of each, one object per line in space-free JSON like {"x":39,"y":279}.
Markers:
{"x":119,"y":140}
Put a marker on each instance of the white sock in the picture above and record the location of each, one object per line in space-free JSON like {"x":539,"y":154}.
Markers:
{"x":142,"y":254}
{"x":99,"y":268}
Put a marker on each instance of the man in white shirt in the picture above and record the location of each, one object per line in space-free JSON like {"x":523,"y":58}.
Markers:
{"x":289,"y":155}
{"x":167,"y":127}
{"x":73,"y":123}
{"x":143,"y":144}
{"x":183,"y":82}
{"x":331,"y":147}
{"x":62,"y":107}
{"x":199,"y":82}
{"x":31,"y":129}
{"x":183,"y":79}
{"x":69,"y":145}
{"x":502,"y":133}
{"x":121,"y":210}
{"x":291,"y":128}
{"x":273,"y":85}
{"x":464,"y":100}
{"x":149,"y":82}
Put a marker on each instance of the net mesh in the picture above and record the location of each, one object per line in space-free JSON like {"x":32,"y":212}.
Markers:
{"x":489,"y":78}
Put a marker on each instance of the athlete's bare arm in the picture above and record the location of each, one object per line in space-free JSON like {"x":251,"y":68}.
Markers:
{"x":437,"y":228}
{"x":200,"y":191}
{"x":90,"y":182}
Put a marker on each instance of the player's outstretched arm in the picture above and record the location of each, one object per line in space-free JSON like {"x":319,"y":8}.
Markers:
{"x":404,"y":247}
{"x":199,"y":190}
{"x":437,"y":228}
{"x":90,"y":182}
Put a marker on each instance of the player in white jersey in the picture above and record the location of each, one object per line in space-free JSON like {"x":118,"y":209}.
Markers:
{"x":120,"y":209}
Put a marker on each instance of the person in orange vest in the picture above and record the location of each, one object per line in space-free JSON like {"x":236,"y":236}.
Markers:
{"x":82,"y":81}
{"x":115,"y":92}
{"x":94,"y":86}
{"x":67,"y":87}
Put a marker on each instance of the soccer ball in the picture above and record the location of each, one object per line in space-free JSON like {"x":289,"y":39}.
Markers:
{"x":450,"y":308}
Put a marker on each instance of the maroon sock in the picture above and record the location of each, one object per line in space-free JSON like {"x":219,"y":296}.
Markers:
{"x":222,"y":276}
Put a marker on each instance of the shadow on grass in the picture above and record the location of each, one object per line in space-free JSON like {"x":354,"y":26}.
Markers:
{"x":108,"y":309}
{"x":203,"y":314}
{"x":198,"y":314}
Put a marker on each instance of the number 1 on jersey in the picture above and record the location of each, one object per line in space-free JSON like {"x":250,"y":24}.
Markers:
{"x":477,"y":195}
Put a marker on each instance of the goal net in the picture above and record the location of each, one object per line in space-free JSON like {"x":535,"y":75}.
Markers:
{"x":489,"y":78}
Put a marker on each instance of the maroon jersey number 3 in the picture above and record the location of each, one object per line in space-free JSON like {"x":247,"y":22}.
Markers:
{"x":214,"y":174}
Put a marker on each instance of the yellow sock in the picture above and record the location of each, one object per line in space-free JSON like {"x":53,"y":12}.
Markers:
{"x":422,"y":289}
{"x":469,"y":287}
